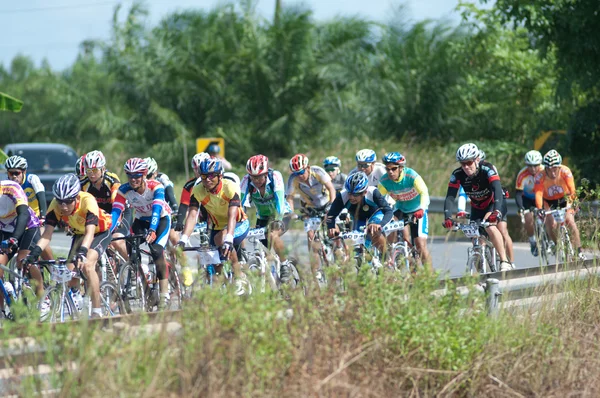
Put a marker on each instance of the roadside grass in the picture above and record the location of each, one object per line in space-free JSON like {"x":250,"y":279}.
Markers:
{"x":378,"y":338}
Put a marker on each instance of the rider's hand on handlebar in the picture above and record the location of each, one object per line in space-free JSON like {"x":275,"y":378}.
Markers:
{"x":373,"y":228}
{"x":447,"y":223}
{"x":332,"y":232}
{"x":419,"y":214}
{"x":150,"y":236}
{"x":227,"y":246}
{"x":81,"y":257}
{"x":495,"y":216}
{"x":461,"y":214}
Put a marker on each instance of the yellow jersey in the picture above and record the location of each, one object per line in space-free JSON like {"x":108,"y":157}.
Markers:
{"x":86,"y":212}
{"x":217,"y":204}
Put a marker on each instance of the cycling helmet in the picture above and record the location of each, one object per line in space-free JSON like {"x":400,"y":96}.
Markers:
{"x":552,"y":158}
{"x":332,"y":161}
{"x":366,"y":156}
{"x":481,"y":155}
{"x":211,"y":165}
{"x":232,"y":176}
{"x":298,"y":162}
{"x":79,"y":166}
{"x":152,"y":165}
{"x":357,"y":183}
{"x":213,"y":148}
{"x":467,"y":152}
{"x":197,"y":159}
{"x":94,"y":159}
{"x":257,"y":165}
{"x":394,"y":158}
{"x":135,"y":166}
{"x":16,"y":162}
{"x":533,"y":158}
{"x":66,"y":187}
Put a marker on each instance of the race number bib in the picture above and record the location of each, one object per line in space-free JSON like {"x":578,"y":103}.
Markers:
{"x":393,"y":226}
{"x":559,"y":215}
{"x":312,"y":224}
{"x":470,"y":231}
{"x":257,"y":233}
{"x":206,"y":257}
{"x":356,"y":236}
{"x":61,"y":274}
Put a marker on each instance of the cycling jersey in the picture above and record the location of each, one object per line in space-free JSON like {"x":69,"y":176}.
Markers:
{"x":217,"y":203}
{"x":86,"y":213}
{"x":560,"y":188}
{"x":409,"y":191}
{"x":314,"y":193}
{"x":526,"y":182}
{"x":32,"y":186}
{"x":338,"y":181}
{"x":372,"y":202}
{"x":375,"y":176}
{"x":149,"y":205}
{"x":11,"y":197}
{"x":106,"y":194}
{"x":270,"y":205}
{"x":483,"y":188}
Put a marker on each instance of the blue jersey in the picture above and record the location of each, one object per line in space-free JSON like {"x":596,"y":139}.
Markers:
{"x":409,"y":191}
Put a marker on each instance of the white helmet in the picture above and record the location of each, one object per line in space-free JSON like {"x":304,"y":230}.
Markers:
{"x":366,"y":156}
{"x":481,"y":154}
{"x":552,"y":158}
{"x":66,"y":187}
{"x":533,"y":158}
{"x":152,"y":165}
{"x":94,"y":159}
{"x":232,"y":176}
{"x":198,"y":158}
{"x":467,"y":152}
{"x":16,"y":162}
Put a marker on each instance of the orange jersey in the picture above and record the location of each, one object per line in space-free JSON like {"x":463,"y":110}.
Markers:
{"x":86,"y":212}
{"x":561,"y":187}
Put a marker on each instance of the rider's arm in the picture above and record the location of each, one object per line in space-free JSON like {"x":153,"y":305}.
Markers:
{"x":384,"y":206}
{"x":279,"y":194}
{"x":232,"y":213}
{"x":519,"y":199}
{"x":192,"y":215}
{"x":117,"y":208}
{"x":448,"y":203}
{"x":421,"y":188}
{"x":538,"y":189}
{"x":90,"y":231}
{"x":334,"y":211}
{"x":23,"y":217}
{"x":41,"y":198}
{"x":289,"y":194}
{"x":331,"y":189}
{"x":44,"y":239}
{"x":498,"y":194}
{"x":568,"y":177}
{"x":157,"y":206}
{"x":170,"y":196}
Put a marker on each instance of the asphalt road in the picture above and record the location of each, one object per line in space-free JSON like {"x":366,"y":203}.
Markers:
{"x":448,"y":254}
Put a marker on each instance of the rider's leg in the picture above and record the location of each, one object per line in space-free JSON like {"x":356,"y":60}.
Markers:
{"x":498,"y":241}
{"x":508,"y":243}
{"x":570,"y":221}
{"x":551,"y":227}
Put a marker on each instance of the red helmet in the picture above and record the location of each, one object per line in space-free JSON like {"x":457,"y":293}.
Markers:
{"x":257,"y":165}
{"x":298,"y":162}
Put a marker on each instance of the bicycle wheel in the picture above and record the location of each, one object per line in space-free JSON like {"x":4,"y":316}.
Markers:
{"x":131,"y":288}
{"x":175,"y":288}
{"x":564,"y":251}
{"x":55,"y":306}
{"x":400,"y":260}
{"x":491,"y":264}
{"x":111,"y":302}
{"x":475,"y":263}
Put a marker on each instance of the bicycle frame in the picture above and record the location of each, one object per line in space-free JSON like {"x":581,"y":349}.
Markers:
{"x":564,"y":250}
{"x":260,"y":254}
{"x":476,"y":253}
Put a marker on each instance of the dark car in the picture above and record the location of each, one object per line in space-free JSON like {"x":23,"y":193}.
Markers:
{"x":48,"y":161}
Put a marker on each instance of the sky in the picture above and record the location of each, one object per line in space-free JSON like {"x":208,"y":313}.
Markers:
{"x":53,"y":29}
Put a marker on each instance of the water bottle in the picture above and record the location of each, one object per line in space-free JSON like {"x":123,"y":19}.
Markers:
{"x":77,"y":298}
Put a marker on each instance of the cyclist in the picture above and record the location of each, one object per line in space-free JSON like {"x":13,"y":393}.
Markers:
{"x":366,"y":162}
{"x":152,"y":216}
{"x":410,"y":192}
{"x":214,"y":150}
{"x":367,"y":204}
{"x":525,"y":195}
{"x":555,"y":188}
{"x":316,"y":195}
{"x":80,"y":167}
{"x":229,"y":224}
{"x":16,"y":168}
{"x":19,"y":230}
{"x":332,"y":166}
{"x":103,"y":185}
{"x":184,"y":204}
{"x":482,"y":185}
{"x":502,"y":224}
{"x":264,"y":188}
{"x":164,"y":179}
{"x":91,"y":227}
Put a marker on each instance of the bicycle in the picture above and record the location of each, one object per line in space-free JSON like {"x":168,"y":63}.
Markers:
{"x":314,"y":221}
{"x":481,"y":257}
{"x":402,"y":254}
{"x":58,"y":302}
{"x":364,"y":253}
{"x":565,"y":253}
{"x":16,"y":288}
{"x":543,"y":241}
{"x":139,"y":287}
{"x":266,"y":262}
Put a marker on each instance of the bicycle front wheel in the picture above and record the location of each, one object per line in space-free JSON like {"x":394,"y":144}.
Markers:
{"x":175,"y":288}
{"x":111,"y":302}
{"x":55,"y":306}
{"x":131,"y":288}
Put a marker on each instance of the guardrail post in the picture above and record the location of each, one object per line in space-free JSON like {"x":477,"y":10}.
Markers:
{"x":492,"y":287}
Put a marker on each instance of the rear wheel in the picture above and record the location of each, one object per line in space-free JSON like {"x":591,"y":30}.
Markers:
{"x":175,"y":288}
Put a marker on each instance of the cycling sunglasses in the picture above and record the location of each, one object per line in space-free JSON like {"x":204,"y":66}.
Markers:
{"x":394,"y":168}
{"x":93,"y":170}
{"x":467,"y":163}
{"x":299,"y":173}
{"x":329,"y":169}
{"x":209,"y":176}
{"x":65,"y":201}
{"x":134,"y":176}
{"x":15,"y":173}
{"x":364,"y":165}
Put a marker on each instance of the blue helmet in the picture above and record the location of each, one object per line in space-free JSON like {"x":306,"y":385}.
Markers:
{"x":356,"y":183}
{"x":213,"y":148}
{"x":211,"y":165}
{"x":366,"y":156}
{"x":394,"y":158}
{"x":332,"y":161}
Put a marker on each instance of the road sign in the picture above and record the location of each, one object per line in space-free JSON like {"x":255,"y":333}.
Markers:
{"x":202,"y":144}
